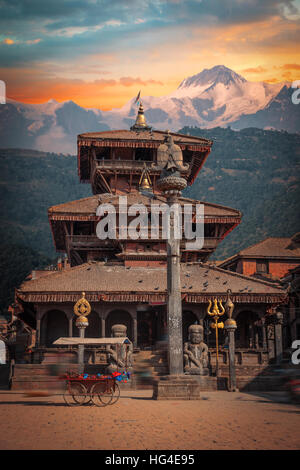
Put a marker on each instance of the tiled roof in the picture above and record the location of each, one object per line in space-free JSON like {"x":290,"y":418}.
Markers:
{"x":272,"y":247}
{"x":199,"y":281}
{"x":143,"y":135}
{"x":89,"y":205}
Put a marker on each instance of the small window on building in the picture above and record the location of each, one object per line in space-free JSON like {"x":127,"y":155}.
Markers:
{"x":262,"y":266}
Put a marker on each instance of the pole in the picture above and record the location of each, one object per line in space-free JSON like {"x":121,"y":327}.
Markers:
{"x":81,"y":352}
{"x":174,"y":307}
{"x":230,"y":326}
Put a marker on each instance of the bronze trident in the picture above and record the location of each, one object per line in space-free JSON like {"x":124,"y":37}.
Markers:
{"x":216,"y":313}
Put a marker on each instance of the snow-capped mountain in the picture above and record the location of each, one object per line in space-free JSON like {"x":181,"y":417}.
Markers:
{"x":214,"y":97}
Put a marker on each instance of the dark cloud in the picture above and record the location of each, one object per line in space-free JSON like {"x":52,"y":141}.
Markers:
{"x":72,"y":28}
{"x":59,"y":14}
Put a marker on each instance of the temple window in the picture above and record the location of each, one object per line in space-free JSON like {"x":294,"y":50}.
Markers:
{"x":143,"y":154}
{"x":262,"y":266}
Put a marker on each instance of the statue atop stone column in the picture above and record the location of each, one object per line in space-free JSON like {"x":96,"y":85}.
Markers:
{"x":119,"y":355}
{"x":195,"y":352}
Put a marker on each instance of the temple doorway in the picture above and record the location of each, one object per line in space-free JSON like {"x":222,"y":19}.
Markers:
{"x":54,"y":325}
{"x":248,"y":334}
{"x":146,"y":329}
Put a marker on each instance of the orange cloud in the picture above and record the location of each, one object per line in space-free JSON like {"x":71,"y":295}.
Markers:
{"x":290,"y":67}
{"x":7,"y":41}
{"x":258,"y":69}
{"x":37,"y":87}
{"x":33,"y":41}
{"x":129,"y":81}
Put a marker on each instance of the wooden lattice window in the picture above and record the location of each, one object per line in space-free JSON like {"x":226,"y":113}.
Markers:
{"x":262,"y":266}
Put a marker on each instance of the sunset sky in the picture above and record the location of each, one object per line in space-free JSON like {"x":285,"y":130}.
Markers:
{"x":100,"y":53}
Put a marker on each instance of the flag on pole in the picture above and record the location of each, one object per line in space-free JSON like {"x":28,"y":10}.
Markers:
{"x":137,"y":100}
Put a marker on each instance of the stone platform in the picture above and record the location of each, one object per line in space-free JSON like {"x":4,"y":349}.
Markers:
{"x":182,"y":387}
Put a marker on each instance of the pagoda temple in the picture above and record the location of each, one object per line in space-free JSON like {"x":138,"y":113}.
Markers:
{"x":125,"y":279}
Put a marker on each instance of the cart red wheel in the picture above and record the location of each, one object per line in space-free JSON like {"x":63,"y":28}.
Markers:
{"x":116,"y":394}
{"x":75,"y":394}
{"x":101,"y":394}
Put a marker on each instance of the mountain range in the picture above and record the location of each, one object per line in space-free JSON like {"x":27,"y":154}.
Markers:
{"x":214,"y":97}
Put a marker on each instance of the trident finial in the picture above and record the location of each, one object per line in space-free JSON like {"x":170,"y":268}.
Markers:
{"x":215,"y":311}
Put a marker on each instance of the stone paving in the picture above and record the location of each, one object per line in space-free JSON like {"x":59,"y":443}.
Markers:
{"x":220,"y":420}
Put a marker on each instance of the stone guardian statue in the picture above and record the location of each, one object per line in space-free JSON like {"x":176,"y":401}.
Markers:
{"x":195,"y":352}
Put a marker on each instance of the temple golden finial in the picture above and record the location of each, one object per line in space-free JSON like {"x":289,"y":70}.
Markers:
{"x":215,"y":311}
{"x":140,"y":122}
{"x":82,"y":306}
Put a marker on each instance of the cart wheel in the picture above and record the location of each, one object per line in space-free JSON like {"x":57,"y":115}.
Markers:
{"x":116,"y":394}
{"x":75,"y":394}
{"x":99,"y":396}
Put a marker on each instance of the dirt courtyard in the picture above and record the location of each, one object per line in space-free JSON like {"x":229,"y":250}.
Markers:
{"x":220,"y":420}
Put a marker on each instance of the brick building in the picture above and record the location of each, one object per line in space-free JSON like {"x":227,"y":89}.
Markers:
{"x":271,"y":258}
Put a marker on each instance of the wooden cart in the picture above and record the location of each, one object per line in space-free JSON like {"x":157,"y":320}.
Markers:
{"x":101,"y":391}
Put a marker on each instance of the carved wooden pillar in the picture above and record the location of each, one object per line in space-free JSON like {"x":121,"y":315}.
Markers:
{"x":256,"y":342}
{"x":38,"y":332}
{"x":70,"y":320}
{"x":270,"y":339}
{"x":102,"y":327}
{"x":135,"y":331}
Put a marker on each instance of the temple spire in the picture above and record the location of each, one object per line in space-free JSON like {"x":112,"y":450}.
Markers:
{"x":140,"y":122}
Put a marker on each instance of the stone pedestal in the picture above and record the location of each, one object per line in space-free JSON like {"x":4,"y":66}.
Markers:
{"x":176,"y":387}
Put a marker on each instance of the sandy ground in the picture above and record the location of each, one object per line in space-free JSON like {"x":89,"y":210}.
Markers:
{"x":220,"y":420}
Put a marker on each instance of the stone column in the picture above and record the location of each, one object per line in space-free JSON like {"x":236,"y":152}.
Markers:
{"x":81,"y":352}
{"x":264,"y":334}
{"x":174,"y":309}
{"x":230,"y":326}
